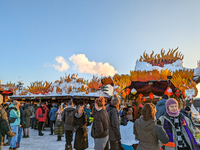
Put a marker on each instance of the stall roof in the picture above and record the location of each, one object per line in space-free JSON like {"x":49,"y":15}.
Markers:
{"x":79,"y":94}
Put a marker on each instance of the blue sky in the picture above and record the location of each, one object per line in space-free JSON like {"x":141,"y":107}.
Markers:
{"x":34,"y":33}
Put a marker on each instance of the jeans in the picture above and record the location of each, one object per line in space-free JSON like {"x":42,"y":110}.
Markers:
{"x":19,"y":135}
{"x":9,"y":139}
{"x":69,"y":137}
{"x":32,"y":123}
{"x":51,"y":125}
{"x":14,"y":139}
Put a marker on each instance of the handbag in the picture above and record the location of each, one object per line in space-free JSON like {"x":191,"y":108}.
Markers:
{"x":58,"y":123}
{"x":12,"y":120}
{"x":41,"y":115}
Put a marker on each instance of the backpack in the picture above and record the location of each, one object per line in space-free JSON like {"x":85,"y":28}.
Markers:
{"x":70,"y":117}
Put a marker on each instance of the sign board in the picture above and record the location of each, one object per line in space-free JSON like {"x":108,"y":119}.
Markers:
{"x":189,"y":93}
{"x":6,"y":88}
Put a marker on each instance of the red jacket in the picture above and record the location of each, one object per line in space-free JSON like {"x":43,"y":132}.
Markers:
{"x":39,"y":112}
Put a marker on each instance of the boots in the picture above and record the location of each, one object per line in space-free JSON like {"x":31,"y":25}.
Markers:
{"x":66,"y":147}
{"x":59,"y":138}
{"x":40,"y":133}
{"x":70,"y":147}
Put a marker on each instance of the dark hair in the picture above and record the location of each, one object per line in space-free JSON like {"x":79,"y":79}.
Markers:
{"x":148,"y":111}
{"x":100,"y":101}
{"x":70,"y":102}
{"x":115,"y":100}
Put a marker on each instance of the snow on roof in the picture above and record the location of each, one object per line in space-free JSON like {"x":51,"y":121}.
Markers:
{"x":75,"y":94}
{"x":144,"y":66}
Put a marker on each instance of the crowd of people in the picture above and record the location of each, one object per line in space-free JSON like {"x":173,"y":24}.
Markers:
{"x":162,"y":126}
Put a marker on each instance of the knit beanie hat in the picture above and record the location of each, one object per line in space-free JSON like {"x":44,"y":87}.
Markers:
{"x":187,"y":108}
{"x":169,"y":102}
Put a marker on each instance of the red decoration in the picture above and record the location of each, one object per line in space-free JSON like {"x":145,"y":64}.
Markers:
{"x":151,"y":95}
{"x":183,"y":95}
{"x":168,"y":91}
{"x":144,"y":99}
{"x":140,"y":96}
{"x":177,"y":93}
{"x":127,"y":91}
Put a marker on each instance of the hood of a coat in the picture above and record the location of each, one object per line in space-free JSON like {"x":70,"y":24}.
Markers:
{"x":70,"y":108}
{"x":26,"y":106}
{"x":11,"y":105}
{"x":161,"y":102}
{"x":110,"y":108}
{"x":147,"y":125}
{"x":54,"y":110}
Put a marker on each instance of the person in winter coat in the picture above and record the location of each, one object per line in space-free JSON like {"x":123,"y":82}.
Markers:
{"x":178,"y":127}
{"x":187,"y":113}
{"x":88,"y":112}
{"x":32,"y":116}
{"x":52,"y":117}
{"x":147,"y":131}
{"x":46,"y":113}
{"x":68,"y":119}
{"x":21,"y":108}
{"x":41,"y":117}
{"x":160,"y":106}
{"x":14,"y":124}
{"x":4,"y":126}
{"x":114,"y":131}
{"x":80,"y":122}
{"x":100,"y":125}
{"x":59,"y":125}
{"x":27,"y":115}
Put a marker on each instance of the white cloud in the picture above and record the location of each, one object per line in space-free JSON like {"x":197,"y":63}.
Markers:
{"x":85,"y":66}
{"x":63,"y":64}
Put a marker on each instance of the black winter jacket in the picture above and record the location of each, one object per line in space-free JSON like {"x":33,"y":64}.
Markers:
{"x":100,"y":124}
{"x":114,"y":131}
{"x":68,"y":111}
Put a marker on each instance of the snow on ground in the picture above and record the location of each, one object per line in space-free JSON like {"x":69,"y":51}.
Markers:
{"x":48,"y":142}
{"x":127,"y":136}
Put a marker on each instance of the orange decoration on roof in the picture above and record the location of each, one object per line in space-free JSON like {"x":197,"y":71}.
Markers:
{"x":160,"y":59}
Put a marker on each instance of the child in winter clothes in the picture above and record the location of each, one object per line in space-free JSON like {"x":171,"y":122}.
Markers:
{"x":178,"y":127}
{"x":88,"y":112}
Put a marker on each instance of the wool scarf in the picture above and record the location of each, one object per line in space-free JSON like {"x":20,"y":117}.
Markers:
{"x":59,"y":116}
{"x":43,"y":111}
{"x":168,"y":128}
